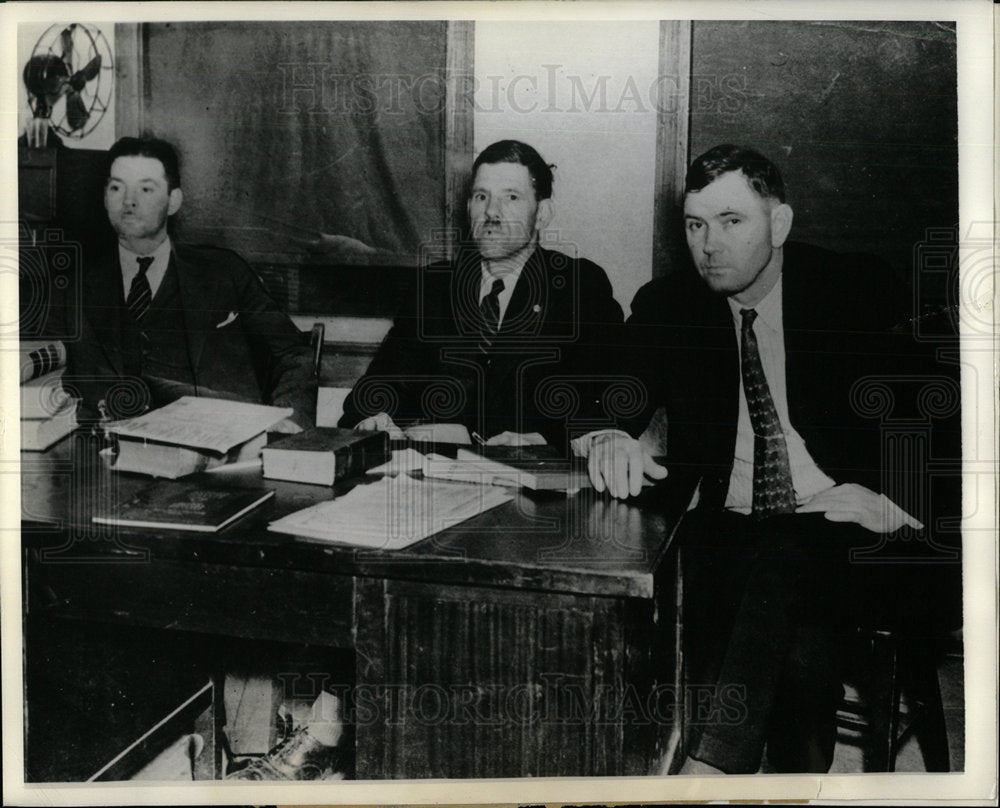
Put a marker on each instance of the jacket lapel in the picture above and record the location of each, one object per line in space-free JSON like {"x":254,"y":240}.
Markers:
{"x":800,"y":321}
{"x":198,"y":295}
{"x":103,"y":301}
{"x":526,"y":309}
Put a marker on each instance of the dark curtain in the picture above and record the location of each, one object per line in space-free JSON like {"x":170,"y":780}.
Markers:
{"x":288,"y":129}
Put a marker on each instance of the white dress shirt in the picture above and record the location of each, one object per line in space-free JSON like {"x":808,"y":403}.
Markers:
{"x":156,"y":271}
{"x":807,"y":478}
{"x":509,"y":277}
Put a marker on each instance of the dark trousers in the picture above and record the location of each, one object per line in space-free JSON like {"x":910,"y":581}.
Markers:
{"x":767,"y":605}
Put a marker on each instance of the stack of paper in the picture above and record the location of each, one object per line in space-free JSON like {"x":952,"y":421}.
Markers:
{"x":392,"y":513}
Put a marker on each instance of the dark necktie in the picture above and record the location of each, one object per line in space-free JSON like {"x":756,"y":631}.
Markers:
{"x":773,"y":491}
{"x":489,"y":307}
{"x":139,"y":293}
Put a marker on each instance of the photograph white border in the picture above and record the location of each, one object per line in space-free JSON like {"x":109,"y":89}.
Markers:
{"x":976,"y":30}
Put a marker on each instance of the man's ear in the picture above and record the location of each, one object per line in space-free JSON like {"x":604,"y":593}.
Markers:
{"x":175,"y":201}
{"x":544,"y":214}
{"x":781,"y":224}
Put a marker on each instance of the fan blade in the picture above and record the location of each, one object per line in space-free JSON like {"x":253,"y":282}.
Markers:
{"x":81,"y":77}
{"x":67,"y":43}
{"x":76,"y":112}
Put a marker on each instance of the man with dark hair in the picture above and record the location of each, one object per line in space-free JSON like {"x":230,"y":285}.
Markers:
{"x":159,"y":319}
{"x":502,"y":340}
{"x":759,"y":358}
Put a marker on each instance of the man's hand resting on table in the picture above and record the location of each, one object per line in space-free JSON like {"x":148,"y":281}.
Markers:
{"x":508,"y":438}
{"x":380,"y":422}
{"x":286,"y":426}
{"x":851,"y":502}
{"x":620,"y":463}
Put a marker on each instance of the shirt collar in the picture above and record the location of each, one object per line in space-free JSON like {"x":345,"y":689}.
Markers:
{"x":768,"y":308}
{"x":161,"y":255}
{"x":509,"y":276}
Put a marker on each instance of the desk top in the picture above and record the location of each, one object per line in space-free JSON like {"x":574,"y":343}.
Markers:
{"x":583,"y":544}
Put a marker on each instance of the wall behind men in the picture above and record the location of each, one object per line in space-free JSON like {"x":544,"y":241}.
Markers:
{"x":861,"y":117}
{"x":583,"y":94}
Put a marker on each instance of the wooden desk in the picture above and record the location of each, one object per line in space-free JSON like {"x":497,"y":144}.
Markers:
{"x":537,"y":639}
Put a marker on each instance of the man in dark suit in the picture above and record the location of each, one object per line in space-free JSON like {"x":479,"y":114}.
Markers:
{"x":761,"y":359}
{"x":504,"y":339}
{"x":156,"y":319}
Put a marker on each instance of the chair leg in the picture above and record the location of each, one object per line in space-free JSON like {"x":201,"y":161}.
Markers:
{"x":883,"y":701}
{"x":931,"y":731}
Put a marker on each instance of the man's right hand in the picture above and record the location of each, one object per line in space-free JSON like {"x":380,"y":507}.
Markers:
{"x":619,"y":464}
{"x":380,"y":422}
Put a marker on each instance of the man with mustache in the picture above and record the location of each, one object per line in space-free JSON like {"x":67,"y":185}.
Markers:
{"x":498,"y":338}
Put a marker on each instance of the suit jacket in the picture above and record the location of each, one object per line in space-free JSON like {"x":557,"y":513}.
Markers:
{"x":540,"y":373}
{"x":239,"y":344}
{"x":839,"y":313}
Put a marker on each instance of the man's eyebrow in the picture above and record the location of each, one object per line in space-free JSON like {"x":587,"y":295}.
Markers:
{"x":113,"y":178}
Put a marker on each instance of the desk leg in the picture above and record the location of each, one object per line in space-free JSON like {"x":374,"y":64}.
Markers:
{"x":484,"y":682}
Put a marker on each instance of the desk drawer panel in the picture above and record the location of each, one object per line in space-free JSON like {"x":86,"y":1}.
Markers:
{"x":284,"y":605}
{"x":488,"y":683}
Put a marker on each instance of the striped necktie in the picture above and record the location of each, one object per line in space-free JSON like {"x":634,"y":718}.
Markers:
{"x":773,"y":491}
{"x":139,"y":293}
{"x":489,"y":308}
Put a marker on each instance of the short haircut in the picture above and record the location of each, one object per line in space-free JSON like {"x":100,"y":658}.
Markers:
{"x":514,"y":151}
{"x":147,"y":146}
{"x":761,"y":173}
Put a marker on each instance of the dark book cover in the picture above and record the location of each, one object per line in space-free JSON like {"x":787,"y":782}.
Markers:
{"x":325,"y":455}
{"x":184,"y":506}
{"x":535,"y":467}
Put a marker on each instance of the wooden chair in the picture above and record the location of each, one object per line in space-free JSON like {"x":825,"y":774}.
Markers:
{"x":892,"y":665}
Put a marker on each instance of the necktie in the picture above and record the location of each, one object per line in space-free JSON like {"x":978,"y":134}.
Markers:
{"x":139,"y":293}
{"x":773,"y":491}
{"x":489,"y":307}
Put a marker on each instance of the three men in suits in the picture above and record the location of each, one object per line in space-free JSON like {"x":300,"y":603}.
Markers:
{"x":757,"y":358}
{"x":504,"y":339}
{"x":158,"y":319}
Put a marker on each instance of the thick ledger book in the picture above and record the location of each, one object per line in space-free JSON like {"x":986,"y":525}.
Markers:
{"x":193,"y":434}
{"x":171,"y":460}
{"x":536,"y":469}
{"x":324,"y":455}
{"x":39,"y":357}
{"x":184,"y":506}
{"x":392,"y":513}
{"x":37,"y":435}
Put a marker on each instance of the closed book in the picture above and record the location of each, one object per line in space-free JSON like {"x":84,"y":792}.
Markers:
{"x":37,"y":435}
{"x":183,"y":506}
{"x":539,"y":472}
{"x":171,"y":460}
{"x":324,"y":455}
{"x":43,"y":397}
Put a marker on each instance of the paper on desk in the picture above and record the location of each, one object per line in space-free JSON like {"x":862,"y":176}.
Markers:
{"x":204,"y":423}
{"x":407,"y":459}
{"x":392,"y":513}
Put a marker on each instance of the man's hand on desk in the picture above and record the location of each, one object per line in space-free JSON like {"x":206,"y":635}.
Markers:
{"x":851,"y":502}
{"x":516,"y":439}
{"x":381,"y":422}
{"x":620,"y":463}
{"x":286,"y":427}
